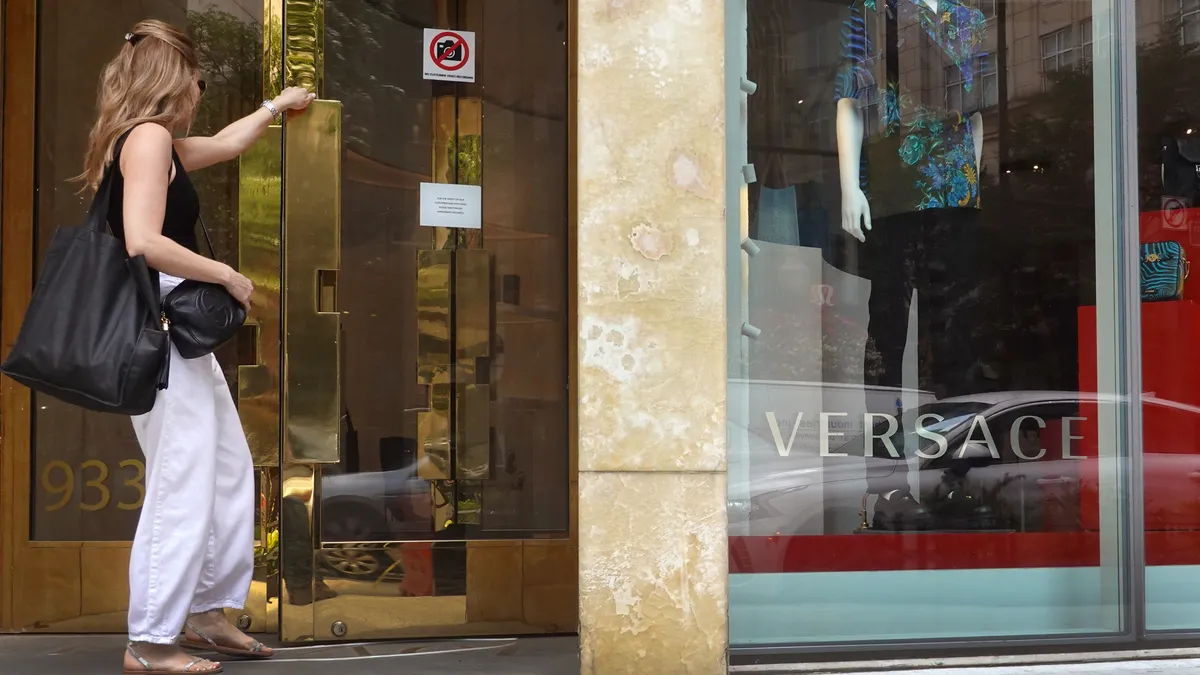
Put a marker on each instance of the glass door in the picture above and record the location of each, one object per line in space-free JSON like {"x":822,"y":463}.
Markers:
{"x":405,"y":384}
{"x":403,"y":387}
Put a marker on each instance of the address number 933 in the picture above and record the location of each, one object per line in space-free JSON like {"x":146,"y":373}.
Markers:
{"x":94,"y":481}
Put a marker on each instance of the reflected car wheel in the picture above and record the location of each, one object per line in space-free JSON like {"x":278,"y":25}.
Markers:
{"x":346,"y":523}
{"x":355,"y":563}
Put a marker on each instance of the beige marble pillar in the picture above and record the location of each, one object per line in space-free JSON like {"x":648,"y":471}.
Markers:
{"x":653,"y":560}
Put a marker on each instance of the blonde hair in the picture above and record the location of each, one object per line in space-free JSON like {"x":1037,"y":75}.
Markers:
{"x":150,"y":80}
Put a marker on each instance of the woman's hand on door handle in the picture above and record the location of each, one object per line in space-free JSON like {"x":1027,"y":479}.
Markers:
{"x":293,"y":98}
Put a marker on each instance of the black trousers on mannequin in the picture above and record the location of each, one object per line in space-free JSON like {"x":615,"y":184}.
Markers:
{"x":933,"y":252}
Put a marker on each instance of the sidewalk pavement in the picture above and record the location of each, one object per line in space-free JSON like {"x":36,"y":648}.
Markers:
{"x":101,"y":655}
{"x":1176,"y":667}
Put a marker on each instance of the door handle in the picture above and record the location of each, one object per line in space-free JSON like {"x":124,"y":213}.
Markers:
{"x":312,"y":185}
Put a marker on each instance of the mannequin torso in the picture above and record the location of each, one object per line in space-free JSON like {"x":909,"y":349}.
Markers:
{"x":926,"y":157}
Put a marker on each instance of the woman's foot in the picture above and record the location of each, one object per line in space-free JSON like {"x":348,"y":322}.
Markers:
{"x":212,"y":631}
{"x":143,"y":657}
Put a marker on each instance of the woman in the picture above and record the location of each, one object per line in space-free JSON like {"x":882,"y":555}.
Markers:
{"x":193,"y":553}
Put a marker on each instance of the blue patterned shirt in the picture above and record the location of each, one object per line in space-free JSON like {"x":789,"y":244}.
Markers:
{"x":924,"y":157}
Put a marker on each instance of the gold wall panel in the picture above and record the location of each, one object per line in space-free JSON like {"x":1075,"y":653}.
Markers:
{"x":260,"y":189}
{"x":262,"y":603}
{"x":272,"y":56}
{"x":304,"y":40}
{"x":472,"y":313}
{"x":473,"y":426}
{"x":433,"y":316}
{"x":311,"y":246}
{"x":445,"y":159}
{"x":433,"y":435}
{"x":299,"y":539}
{"x":470,"y":116}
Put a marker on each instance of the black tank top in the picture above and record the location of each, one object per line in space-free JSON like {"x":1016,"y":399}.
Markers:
{"x":183,"y":203}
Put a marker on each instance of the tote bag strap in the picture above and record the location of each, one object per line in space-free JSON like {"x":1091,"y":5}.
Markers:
{"x":97,"y":215}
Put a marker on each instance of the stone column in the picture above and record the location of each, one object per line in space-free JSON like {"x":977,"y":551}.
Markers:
{"x":653,"y":555}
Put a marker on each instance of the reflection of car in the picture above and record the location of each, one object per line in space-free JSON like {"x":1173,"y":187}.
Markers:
{"x":374,"y":506}
{"x":1016,"y":461}
{"x":380,"y":506}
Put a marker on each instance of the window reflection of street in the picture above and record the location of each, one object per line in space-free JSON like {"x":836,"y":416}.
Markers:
{"x":1005,"y":462}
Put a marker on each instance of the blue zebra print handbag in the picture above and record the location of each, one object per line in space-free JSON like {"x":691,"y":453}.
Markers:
{"x":1163,"y":270}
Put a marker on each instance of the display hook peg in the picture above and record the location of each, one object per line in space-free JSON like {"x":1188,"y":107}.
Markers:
{"x":749,"y":86}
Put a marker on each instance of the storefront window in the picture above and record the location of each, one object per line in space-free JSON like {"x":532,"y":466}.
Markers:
{"x":924,"y":321}
{"x":1169,"y":232}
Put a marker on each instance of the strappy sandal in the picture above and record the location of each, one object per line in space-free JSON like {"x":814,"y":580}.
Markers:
{"x":148,"y":669}
{"x":254,"y":651}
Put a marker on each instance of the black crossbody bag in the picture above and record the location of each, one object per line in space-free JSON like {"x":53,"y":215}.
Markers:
{"x":202,"y":316}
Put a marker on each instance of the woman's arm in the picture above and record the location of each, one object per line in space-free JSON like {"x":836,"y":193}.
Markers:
{"x":197,"y":152}
{"x":146,"y":167}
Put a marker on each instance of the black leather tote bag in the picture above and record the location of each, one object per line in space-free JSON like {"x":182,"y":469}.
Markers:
{"x":202,"y":316}
{"x":93,"y":334}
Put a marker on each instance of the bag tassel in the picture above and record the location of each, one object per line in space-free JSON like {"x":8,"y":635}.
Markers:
{"x":164,"y":372}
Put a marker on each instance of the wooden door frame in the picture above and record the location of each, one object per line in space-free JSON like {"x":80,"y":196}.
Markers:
{"x":18,"y":39}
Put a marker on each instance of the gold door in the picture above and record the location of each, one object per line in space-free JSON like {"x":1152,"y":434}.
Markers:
{"x":404,"y":388}
{"x":423,"y":474}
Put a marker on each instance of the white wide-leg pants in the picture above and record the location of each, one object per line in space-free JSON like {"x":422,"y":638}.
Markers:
{"x":194,"y":547}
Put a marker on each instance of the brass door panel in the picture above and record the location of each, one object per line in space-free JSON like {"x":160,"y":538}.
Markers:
{"x":312,"y":221}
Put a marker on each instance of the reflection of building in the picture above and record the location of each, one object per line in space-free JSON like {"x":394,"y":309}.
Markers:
{"x":1043,"y":37}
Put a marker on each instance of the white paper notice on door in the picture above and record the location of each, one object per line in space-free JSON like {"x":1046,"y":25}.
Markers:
{"x":451,"y":205}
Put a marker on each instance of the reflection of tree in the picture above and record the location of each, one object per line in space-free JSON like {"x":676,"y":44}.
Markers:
{"x":230,"y":53}
{"x":1039,"y":239}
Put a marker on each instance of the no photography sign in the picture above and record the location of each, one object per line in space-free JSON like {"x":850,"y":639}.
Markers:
{"x":449,"y":55}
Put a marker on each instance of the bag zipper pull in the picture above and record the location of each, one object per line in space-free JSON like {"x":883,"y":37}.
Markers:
{"x":166,"y":323}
